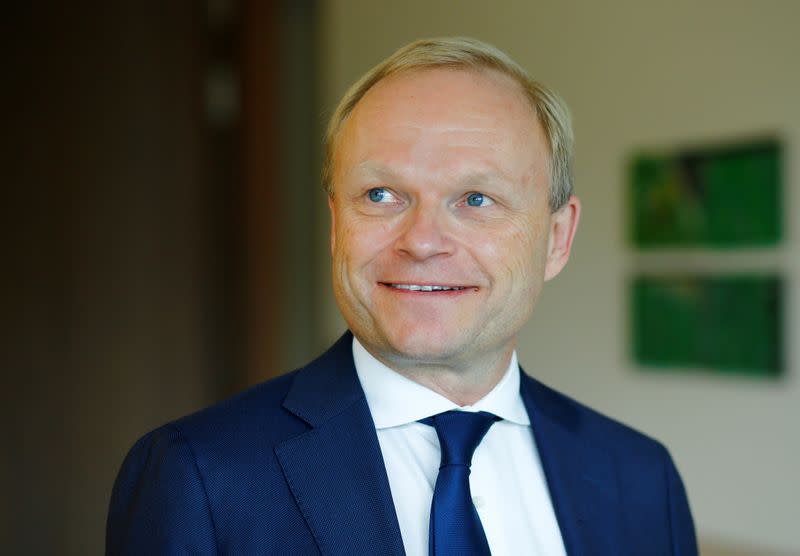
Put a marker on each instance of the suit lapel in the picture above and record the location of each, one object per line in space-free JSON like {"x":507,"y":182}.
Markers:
{"x":335,"y":470}
{"x":580,"y":477}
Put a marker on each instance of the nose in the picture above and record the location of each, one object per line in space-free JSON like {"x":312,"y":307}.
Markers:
{"x":424,"y":234}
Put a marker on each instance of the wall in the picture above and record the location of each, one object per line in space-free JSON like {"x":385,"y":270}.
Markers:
{"x":147,"y":150}
{"x":106,"y":314}
{"x":639,"y":74}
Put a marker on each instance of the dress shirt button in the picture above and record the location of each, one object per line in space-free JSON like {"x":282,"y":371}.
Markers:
{"x":478,"y":501}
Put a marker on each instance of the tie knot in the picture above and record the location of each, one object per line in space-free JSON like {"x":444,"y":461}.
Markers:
{"x":459,"y":434}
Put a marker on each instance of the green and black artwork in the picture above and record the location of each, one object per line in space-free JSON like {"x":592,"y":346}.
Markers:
{"x":729,"y":324}
{"x":721,"y":197}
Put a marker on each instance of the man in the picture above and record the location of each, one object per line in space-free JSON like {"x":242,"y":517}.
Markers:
{"x":448,"y":173}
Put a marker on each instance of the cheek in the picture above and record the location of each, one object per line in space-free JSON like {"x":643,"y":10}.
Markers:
{"x":359,"y":242}
{"x":516,"y":251}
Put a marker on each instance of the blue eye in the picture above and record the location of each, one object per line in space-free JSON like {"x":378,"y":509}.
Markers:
{"x":382,"y":196}
{"x":477,"y":200}
{"x":377,"y":194}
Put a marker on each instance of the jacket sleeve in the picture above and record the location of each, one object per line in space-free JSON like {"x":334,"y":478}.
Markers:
{"x":159,"y":503}
{"x":684,"y":542}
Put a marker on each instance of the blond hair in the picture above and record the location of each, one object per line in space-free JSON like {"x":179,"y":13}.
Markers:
{"x":551,"y":112}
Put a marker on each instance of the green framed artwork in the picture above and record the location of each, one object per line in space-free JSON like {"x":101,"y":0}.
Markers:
{"x":721,"y":197}
{"x":728,"y":324}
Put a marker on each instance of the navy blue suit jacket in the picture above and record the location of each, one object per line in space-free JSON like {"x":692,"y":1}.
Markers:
{"x":293,"y":466}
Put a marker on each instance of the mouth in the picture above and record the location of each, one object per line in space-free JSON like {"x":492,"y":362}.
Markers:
{"x":426,"y":288}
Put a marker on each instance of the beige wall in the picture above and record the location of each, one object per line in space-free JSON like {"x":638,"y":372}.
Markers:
{"x":640,"y":74}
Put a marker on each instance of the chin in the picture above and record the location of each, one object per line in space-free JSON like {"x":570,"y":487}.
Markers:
{"x":422,"y":345}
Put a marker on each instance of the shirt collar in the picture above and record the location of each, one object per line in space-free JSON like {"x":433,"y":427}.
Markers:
{"x":395,"y":400}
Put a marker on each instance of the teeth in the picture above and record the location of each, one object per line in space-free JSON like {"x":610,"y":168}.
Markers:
{"x":416,"y":288}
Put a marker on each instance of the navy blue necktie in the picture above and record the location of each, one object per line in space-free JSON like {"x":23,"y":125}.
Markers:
{"x":455,"y":527}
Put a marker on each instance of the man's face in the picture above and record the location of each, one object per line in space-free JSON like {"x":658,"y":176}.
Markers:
{"x":442,"y":235}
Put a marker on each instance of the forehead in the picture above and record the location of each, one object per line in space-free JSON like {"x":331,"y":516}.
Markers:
{"x":442,"y":112}
{"x":484,"y":89}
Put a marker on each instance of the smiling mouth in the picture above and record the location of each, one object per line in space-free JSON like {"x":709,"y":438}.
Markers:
{"x":426,"y":287}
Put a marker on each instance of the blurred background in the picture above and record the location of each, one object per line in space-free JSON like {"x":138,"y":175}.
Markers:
{"x":167,"y":236}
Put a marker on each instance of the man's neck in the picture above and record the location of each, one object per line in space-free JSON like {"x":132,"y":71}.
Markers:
{"x":461,"y":383}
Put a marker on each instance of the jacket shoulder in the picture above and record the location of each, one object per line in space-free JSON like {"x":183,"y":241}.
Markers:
{"x":648,"y":485}
{"x":259,"y":410}
{"x":591,"y":425}
{"x":192,"y":485}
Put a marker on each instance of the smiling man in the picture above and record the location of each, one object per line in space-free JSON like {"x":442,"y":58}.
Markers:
{"x":442,"y":227}
{"x":449,"y":182}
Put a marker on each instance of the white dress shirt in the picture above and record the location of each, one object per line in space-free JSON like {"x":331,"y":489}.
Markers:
{"x":507,"y":482}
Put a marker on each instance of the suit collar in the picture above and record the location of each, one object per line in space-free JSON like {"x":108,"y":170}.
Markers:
{"x":326,"y":386}
{"x":335,"y":470}
{"x":337,"y":476}
{"x":580,"y":476}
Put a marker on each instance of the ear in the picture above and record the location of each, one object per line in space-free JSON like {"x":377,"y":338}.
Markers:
{"x":333,"y":223}
{"x":563,"y":224}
